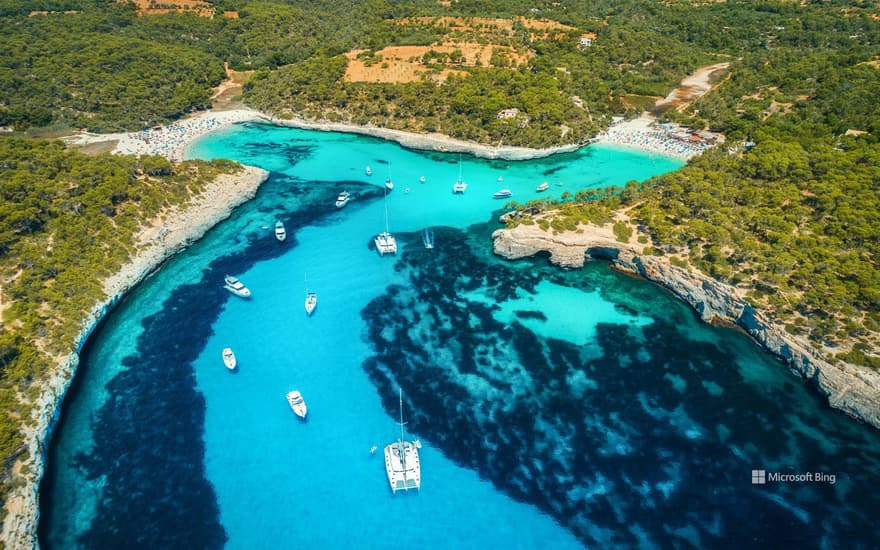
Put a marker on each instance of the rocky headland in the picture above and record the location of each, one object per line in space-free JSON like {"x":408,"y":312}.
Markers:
{"x":158,"y":241}
{"x":853,"y":389}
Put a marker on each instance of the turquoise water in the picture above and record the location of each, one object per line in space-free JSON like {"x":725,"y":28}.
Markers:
{"x":555,"y":408}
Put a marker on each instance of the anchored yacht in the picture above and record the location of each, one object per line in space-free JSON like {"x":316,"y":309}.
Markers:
{"x":343,"y":199}
{"x":402,"y":461}
{"x":233,"y":285}
{"x":229,"y":358}
{"x":297,"y":403}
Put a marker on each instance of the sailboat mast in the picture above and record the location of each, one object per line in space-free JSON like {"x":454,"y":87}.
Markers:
{"x":400,"y":445}
{"x":386,"y":213}
{"x":401,"y":413}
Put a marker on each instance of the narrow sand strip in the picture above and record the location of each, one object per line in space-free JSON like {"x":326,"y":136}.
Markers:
{"x":173,"y":140}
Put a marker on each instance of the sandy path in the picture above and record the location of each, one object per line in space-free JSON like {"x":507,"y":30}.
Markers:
{"x":692,"y":87}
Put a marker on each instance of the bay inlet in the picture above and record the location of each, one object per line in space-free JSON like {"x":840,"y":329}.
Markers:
{"x":555,"y":408}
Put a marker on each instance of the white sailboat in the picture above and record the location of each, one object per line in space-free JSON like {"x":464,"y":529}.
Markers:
{"x":368,"y":171}
{"x":385,"y":241}
{"x":428,"y":238}
{"x":311,"y":297}
{"x":402,"y":461}
{"x":389,"y":185}
{"x":459,"y":186}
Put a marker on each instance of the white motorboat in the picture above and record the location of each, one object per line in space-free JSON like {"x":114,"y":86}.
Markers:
{"x":297,"y":403}
{"x":280,"y":232}
{"x":500,"y":179}
{"x":385,"y":241}
{"x":311,"y":302}
{"x":459,"y":186}
{"x":502,"y":194}
{"x":402,"y":462}
{"x":368,"y":171}
{"x":543,"y":187}
{"x":343,"y":199}
{"x":233,"y":285}
{"x":229,"y":358}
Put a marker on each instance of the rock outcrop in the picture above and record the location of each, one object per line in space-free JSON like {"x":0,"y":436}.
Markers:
{"x":853,"y":389}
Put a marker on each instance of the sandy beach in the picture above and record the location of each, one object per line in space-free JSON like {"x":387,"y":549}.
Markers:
{"x":157,"y":242}
{"x":171,"y":141}
{"x":645,"y":134}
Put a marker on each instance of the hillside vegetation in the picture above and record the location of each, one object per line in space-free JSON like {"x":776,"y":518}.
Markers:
{"x":67,"y":221}
{"x":794,"y":221}
{"x":788,"y":213}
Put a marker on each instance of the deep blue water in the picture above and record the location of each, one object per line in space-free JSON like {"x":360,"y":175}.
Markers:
{"x":556,"y":408}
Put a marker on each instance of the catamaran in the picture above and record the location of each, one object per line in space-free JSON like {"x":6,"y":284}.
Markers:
{"x":229,"y":358}
{"x":402,"y":461}
{"x":233,"y":285}
{"x":385,"y":241}
{"x":280,"y":232}
{"x":459,"y":186}
{"x":297,"y":403}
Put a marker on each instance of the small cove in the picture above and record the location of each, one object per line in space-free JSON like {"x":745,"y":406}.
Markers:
{"x":159,"y":444}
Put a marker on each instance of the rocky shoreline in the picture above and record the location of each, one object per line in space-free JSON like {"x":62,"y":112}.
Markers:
{"x":429,"y":142}
{"x":850,"y":388}
{"x":156,"y":243}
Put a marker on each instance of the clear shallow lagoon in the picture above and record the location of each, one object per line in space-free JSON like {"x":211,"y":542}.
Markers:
{"x":556,"y":408}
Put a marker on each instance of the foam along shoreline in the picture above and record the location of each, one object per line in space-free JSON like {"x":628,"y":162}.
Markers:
{"x":172,"y":141}
{"x":156,"y":243}
{"x":853,"y":389}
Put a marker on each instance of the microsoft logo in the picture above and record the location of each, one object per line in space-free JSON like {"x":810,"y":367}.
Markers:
{"x":759,"y":477}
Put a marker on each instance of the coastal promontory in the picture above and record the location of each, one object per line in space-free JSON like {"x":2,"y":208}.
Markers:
{"x":851,"y":388}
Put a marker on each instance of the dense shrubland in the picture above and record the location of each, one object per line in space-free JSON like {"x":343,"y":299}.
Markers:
{"x":67,"y":220}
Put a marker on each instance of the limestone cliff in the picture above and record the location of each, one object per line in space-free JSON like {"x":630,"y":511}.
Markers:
{"x":851,"y":388}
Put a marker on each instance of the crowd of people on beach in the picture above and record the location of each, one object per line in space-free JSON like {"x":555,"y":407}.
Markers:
{"x":171,"y":141}
{"x":659,"y":140}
